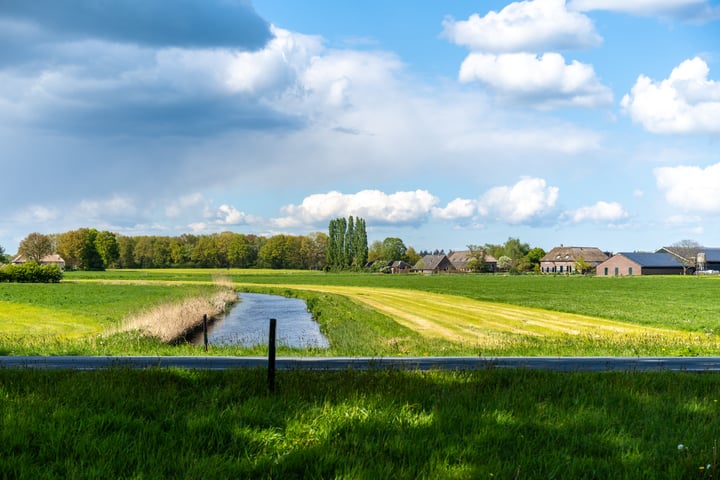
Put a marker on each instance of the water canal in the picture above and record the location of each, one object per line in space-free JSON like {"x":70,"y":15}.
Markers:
{"x":247,"y":323}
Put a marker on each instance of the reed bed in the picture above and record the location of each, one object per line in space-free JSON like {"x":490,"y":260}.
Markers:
{"x":171,"y":321}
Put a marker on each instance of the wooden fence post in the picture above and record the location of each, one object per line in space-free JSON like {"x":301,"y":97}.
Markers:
{"x":271,"y":355}
{"x":205,"y":338}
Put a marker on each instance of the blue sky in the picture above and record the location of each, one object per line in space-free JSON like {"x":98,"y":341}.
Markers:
{"x":578,"y":122}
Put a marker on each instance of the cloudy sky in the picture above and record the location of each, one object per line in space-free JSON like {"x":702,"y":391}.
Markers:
{"x":581,"y":122}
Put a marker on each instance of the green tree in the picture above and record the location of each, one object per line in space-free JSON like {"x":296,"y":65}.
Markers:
{"x":534,"y":256}
{"x":241,"y":252}
{"x":313,"y":250}
{"x":336,"y":243}
{"x":581,"y":266}
{"x":504,"y":263}
{"x":205,"y":254}
{"x":280,"y":251}
{"x":411,"y":256}
{"x":393,"y":249}
{"x":143,"y":252}
{"x":107,"y":246}
{"x":375,"y":251}
{"x":35,"y":246}
{"x":347,"y":243}
{"x":478,"y":262}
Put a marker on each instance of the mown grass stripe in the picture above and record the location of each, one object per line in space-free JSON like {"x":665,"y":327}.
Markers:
{"x":451,"y":317}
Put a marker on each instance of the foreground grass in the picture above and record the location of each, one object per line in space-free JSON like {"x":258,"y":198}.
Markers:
{"x":361,"y":425}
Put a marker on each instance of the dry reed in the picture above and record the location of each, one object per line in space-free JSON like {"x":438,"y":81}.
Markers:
{"x":171,"y":321}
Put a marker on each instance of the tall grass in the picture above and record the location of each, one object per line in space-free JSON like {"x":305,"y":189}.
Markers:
{"x":170,"y":322}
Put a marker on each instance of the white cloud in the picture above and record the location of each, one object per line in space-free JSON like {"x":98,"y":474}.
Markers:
{"x":275,"y":67}
{"x":410,"y":207}
{"x":526,"y":201}
{"x":545,"y":80}
{"x":685,"y":102}
{"x":599,"y":212}
{"x":460,"y":208}
{"x":229,"y":215}
{"x":690,"y":188}
{"x":698,"y":10}
{"x":528,"y":26}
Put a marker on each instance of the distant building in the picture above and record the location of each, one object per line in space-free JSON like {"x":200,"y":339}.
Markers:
{"x":46,"y":260}
{"x":435,"y":264}
{"x":461,"y":258}
{"x":563,"y":259}
{"x":640,"y":263}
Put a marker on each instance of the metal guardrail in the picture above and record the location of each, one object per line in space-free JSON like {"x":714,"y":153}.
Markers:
{"x":567,"y":364}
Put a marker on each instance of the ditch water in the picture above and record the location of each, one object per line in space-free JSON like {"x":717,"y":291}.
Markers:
{"x":248,"y":323}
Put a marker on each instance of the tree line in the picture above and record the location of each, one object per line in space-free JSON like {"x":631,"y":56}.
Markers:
{"x":344,"y":247}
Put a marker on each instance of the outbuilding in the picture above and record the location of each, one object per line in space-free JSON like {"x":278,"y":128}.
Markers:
{"x":640,"y":263}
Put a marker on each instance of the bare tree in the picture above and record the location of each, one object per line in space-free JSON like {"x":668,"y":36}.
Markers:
{"x":686,"y":251}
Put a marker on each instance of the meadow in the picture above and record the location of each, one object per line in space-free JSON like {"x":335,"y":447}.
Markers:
{"x":122,"y":423}
{"x":381,"y":315}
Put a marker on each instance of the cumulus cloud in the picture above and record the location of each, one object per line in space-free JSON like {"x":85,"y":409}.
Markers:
{"x":546,"y":79}
{"x":686,"y":102}
{"x":691,"y":188}
{"x":514,"y":53}
{"x":599,"y":212}
{"x":527,"y":201}
{"x":229,"y":215}
{"x":690,"y":10}
{"x":410,"y":207}
{"x":528,"y":26}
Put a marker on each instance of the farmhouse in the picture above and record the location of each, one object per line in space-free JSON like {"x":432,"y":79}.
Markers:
{"x":461,"y":258}
{"x":435,"y":264}
{"x":640,"y":263}
{"x":564,"y":259}
{"x":46,"y":260}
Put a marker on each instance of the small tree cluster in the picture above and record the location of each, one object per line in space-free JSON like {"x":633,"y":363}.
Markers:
{"x":347,"y":244}
{"x":31,"y":272}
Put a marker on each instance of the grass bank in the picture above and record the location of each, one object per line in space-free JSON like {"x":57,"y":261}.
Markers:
{"x":361,"y":425}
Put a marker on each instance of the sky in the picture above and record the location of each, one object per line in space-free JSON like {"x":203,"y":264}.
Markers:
{"x":578,"y":122}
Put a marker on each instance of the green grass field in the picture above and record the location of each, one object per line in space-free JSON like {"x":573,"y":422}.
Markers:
{"x":384,"y":315}
{"x":487,"y":424}
{"x":493,"y":424}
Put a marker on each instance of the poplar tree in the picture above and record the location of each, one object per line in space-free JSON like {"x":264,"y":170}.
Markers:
{"x":347,"y":243}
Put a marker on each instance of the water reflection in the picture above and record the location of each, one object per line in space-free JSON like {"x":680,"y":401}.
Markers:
{"x":247,"y":323}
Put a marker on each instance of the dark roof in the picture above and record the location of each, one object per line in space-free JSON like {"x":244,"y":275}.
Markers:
{"x":711,"y":254}
{"x":653,"y":260}
{"x":431,"y":262}
{"x":571,"y":254}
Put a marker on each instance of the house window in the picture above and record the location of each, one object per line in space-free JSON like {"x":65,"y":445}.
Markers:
{"x":606,"y":271}
{"x":629,"y":270}
{"x":617,"y":271}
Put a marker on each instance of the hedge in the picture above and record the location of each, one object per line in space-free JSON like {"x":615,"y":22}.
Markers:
{"x":31,"y":272}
